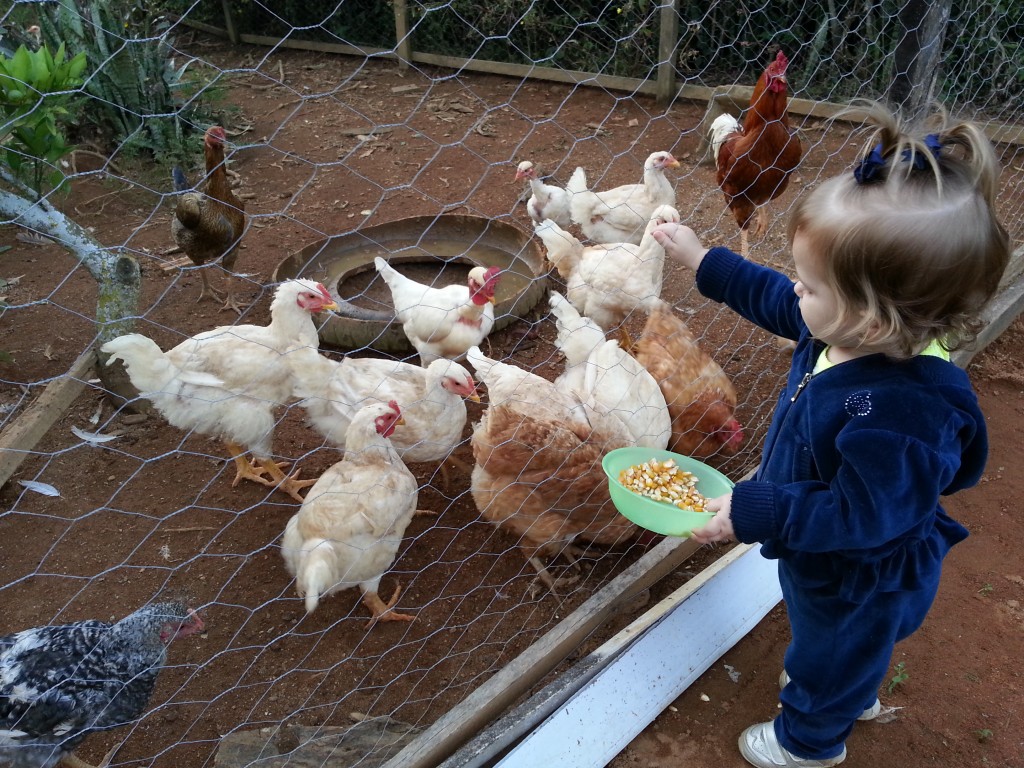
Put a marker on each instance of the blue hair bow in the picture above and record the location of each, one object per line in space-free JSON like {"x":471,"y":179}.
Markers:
{"x":870,"y":168}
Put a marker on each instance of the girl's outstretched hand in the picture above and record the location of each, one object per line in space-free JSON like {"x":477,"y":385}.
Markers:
{"x":719,"y":527}
{"x":680,"y":243}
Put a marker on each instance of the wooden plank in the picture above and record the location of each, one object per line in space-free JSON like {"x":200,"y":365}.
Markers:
{"x":1001,"y":311}
{"x":668,"y":649}
{"x":19,"y":438}
{"x":493,"y":697}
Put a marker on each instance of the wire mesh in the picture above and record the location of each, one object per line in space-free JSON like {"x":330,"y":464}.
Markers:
{"x":323,"y":144}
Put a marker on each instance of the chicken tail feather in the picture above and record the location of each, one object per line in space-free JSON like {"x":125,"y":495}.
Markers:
{"x":316,"y":574}
{"x":580,"y":198}
{"x":181,"y":183}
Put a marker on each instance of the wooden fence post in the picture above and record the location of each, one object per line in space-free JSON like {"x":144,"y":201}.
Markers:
{"x":403,"y":45}
{"x":668,"y":42}
{"x":917,"y":56}
{"x":229,"y":22}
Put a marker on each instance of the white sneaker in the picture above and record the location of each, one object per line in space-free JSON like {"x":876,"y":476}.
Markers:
{"x":868,"y":714}
{"x":761,"y":748}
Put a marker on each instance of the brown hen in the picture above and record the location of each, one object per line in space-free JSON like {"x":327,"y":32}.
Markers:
{"x":208,"y":226}
{"x":541,"y":480}
{"x":701,"y":399}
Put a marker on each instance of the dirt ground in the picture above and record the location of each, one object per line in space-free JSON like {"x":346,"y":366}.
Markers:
{"x":153,"y":510}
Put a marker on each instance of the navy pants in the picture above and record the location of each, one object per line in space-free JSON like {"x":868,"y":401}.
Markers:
{"x":838,"y":657}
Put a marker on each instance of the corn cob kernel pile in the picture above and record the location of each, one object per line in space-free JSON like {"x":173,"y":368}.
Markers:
{"x":664,"y":481}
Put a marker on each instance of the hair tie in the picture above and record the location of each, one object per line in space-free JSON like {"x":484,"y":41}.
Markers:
{"x":870,"y":168}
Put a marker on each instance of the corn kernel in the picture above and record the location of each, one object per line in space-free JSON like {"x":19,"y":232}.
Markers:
{"x":664,"y":481}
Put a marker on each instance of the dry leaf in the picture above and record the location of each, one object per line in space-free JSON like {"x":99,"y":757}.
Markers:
{"x":633,"y":123}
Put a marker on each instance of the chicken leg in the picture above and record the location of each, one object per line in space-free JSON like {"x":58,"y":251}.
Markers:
{"x":245,"y":470}
{"x":208,"y":289}
{"x":382,"y":611}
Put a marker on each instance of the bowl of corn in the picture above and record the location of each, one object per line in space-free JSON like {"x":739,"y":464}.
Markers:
{"x":662,"y":491}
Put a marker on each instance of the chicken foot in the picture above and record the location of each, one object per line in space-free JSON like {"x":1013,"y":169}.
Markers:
{"x":382,"y":611}
{"x":71,"y":760}
{"x":570,"y":553}
{"x":208,"y":290}
{"x":230,"y":302}
{"x":245,"y":470}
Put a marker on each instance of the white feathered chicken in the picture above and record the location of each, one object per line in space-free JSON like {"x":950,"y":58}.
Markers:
{"x":351,"y":524}
{"x":58,"y":684}
{"x":443,"y":322}
{"x":225,"y":383}
{"x":619,"y":215}
{"x":546,"y":200}
{"x":433,"y":401}
{"x":607,"y":282}
{"x":598,"y":370}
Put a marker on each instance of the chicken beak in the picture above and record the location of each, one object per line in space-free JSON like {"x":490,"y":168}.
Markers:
{"x":491,"y":299}
{"x":673,"y":163}
{"x":331,"y":307}
{"x":474,"y":397}
{"x":400,"y":422}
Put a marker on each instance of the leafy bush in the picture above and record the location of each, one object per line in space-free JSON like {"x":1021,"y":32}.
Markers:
{"x":141,"y":101}
{"x":35,"y":89}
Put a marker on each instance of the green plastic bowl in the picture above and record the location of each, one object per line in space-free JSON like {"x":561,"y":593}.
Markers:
{"x":660,"y":516}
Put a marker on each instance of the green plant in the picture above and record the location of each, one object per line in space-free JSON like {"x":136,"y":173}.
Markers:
{"x":984,"y":735}
{"x":142,"y":99}
{"x":986,"y":590}
{"x":35,"y":89}
{"x":900,"y":677}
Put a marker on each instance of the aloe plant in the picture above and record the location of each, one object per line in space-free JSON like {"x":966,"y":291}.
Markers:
{"x":141,"y":98}
{"x":35,"y":89}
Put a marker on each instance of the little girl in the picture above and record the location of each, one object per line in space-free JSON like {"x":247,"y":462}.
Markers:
{"x":893,"y":263}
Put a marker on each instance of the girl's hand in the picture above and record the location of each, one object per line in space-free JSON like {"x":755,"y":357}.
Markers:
{"x":680,"y":243}
{"x":719,"y":527}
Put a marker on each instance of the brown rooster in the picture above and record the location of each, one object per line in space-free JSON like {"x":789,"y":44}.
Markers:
{"x":701,"y":399}
{"x":755,"y":160}
{"x":208,"y":226}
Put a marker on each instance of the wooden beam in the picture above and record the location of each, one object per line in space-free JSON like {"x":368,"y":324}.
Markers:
{"x":19,"y":438}
{"x":501,"y":691}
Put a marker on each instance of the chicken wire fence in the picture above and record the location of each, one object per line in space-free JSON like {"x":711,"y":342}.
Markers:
{"x":340,"y":120}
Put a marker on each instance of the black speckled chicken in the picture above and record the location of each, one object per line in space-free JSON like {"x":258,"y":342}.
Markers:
{"x":58,"y":684}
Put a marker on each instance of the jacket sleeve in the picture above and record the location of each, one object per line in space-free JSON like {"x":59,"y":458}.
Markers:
{"x":762,"y":295}
{"x":887,"y":488}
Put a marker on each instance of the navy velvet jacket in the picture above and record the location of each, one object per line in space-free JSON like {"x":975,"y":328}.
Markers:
{"x":856,"y":457}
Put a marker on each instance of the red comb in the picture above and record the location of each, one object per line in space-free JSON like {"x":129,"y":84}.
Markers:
{"x":782,"y":62}
{"x":393,"y":405}
{"x":491,"y":275}
{"x":324,"y":292}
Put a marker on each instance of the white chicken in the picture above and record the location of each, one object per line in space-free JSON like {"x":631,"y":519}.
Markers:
{"x":600,"y":371}
{"x":433,"y":400}
{"x":225,"y":383}
{"x":619,"y":215}
{"x":546,"y":200}
{"x":351,"y":524}
{"x":538,"y":470}
{"x":607,"y":282}
{"x":443,"y":322}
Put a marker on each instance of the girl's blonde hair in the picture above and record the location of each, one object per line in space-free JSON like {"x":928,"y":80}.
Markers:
{"x":911,"y":244}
